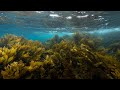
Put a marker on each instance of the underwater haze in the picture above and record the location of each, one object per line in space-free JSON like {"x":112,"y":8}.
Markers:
{"x":59,"y":44}
{"x":43,"y":25}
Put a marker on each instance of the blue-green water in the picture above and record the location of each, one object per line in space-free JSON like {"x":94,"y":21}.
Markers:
{"x":44,"y":34}
{"x":31,"y":33}
{"x":43,"y":25}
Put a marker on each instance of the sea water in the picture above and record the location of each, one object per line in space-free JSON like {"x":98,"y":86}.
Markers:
{"x":79,"y":57}
{"x":44,"y":34}
{"x":39,"y":34}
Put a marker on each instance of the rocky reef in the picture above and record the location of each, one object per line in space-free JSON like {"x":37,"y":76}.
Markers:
{"x":78,"y":57}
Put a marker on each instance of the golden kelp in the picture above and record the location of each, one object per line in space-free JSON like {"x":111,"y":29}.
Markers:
{"x":80,"y":57}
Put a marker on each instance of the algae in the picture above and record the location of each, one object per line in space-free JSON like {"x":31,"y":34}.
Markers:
{"x":78,"y":57}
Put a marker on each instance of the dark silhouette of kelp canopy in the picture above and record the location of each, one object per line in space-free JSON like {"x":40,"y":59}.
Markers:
{"x":78,"y":57}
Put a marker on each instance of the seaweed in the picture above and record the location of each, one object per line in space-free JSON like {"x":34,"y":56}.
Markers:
{"x":79,"y":57}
